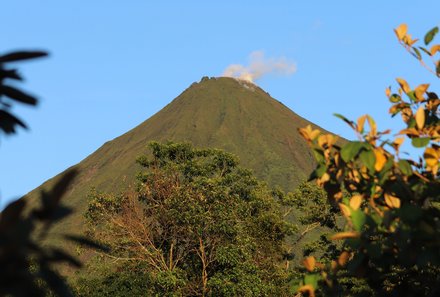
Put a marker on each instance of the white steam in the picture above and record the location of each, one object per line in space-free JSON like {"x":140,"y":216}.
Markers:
{"x":259,"y":66}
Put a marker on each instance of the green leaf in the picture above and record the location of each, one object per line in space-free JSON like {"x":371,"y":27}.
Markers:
{"x":405,"y":167}
{"x":394,"y":98}
{"x":430,"y":35}
{"x":321,"y":170}
{"x":417,"y":53}
{"x":412,"y":96}
{"x":319,"y":155}
{"x":312,"y":279}
{"x":420,"y":141}
{"x":344,"y":119}
{"x":425,"y":50}
{"x":350,"y":150}
{"x":358,"y":219}
{"x":368,"y":159}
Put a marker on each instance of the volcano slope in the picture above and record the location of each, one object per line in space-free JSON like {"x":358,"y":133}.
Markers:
{"x":224,"y":113}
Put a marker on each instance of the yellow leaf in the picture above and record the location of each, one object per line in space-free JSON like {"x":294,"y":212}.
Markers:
{"x":345,"y":210}
{"x":409,"y":41}
{"x":406,"y":114}
{"x":324,"y":178}
{"x":398,"y":142}
{"x":435,"y":49}
{"x":308,"y":133}
{"x":309,"y":263}
{"x":344,"y":235}
{"x":388,"y":92}
{"x":307,"y":289}
{"x":373,"y":127}
{"x":431,"y":157}
{"x":410,"y":131}
{"x":381,"y":159}
{"x":404,"y":85}
{"x":391,"y":201}
{"x":356,"y":201}
{"x":343,"y":258}
{"x":327,"y":139}
{"x":420,"y":91}
{"x":420,"y":117}
{"x":401,"y":31}
{"x":314,"y":134}
{"x":360,"y":123}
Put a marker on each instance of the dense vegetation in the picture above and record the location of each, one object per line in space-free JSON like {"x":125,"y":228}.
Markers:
{"x":197,"y":224}
{"x":391,"y":239}
{"x":215,"y":113}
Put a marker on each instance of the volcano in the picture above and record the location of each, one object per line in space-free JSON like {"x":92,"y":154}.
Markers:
{"x":234,"y":115}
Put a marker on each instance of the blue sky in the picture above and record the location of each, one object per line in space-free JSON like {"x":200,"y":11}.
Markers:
{"x":113,"y":64}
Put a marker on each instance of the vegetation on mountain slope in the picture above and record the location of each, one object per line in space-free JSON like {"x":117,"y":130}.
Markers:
{"x":197,"y":224}
{"x":224,"y":113}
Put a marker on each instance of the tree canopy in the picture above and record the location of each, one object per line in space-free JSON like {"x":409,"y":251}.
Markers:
{"x":196,"y":224}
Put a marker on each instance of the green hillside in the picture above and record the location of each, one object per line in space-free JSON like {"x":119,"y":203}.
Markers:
{"x":225,"y":113}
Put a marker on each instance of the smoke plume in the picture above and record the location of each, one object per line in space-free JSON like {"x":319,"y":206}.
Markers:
{"x":259,"y":66}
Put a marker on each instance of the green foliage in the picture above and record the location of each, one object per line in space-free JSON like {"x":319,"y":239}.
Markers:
{"x":198,"y":223}
{"x":391,"y":240}
{"x":219,"y":113}
{"x":310,"y":200}
{"x":114,"y":284}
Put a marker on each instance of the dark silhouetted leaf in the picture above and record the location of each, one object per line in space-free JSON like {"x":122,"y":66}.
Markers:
{"x":12,"y":74}
{"x":22,"y":55}
{"x":432,"y":95}
{"x":85,"y":241}
{"x":55,"y":282}
{"x":8,"y":122}
{"x":17,"y":95}
{"x":50,"y":201}
{"x":11,"y":213}
{"x":430,"y":35}
{"x":59,"y":255}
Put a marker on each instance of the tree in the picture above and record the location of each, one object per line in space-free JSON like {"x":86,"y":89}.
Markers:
{"x":392,"y":234}
{"x":27,"y":265}
{"x":196,"y":225}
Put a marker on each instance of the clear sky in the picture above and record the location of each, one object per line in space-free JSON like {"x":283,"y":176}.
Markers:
{"x":113,"y":64}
